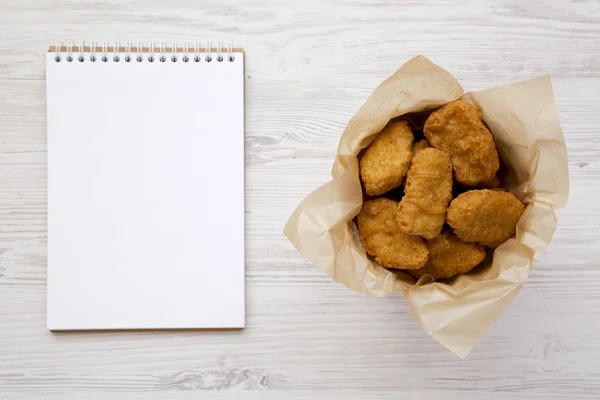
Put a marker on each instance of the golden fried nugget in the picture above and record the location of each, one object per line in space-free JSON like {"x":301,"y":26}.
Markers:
{"x":449,"y":256}
{"x":427,"y":191}
{"x":382,"y":239}
{"x":384,"y":164}
{"x":420,"y":145}
{"x":488,"y":217}
{"x":457,"y":129}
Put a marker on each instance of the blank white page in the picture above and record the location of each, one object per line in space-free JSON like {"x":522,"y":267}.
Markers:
{"x":145,"y":193}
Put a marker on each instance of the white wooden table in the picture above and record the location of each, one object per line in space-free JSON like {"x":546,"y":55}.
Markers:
{"x":309,"y":67}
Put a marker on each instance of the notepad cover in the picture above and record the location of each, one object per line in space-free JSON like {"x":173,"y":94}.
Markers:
{"x":145,"y":194}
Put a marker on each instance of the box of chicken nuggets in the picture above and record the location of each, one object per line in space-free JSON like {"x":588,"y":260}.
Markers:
{"x":446,"y":196}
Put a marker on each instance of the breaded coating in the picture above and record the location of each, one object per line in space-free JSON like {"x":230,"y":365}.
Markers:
{"x":488,"y":217}
{"x":382,"y":239}
{"x":384,"y":164}
{"x":428,"y":190}
{"x":457,"y":129}
{"x":420,"y":145}
{"x":449,"y":256}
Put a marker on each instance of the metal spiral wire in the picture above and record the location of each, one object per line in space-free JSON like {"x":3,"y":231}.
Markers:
{"x":89,"y":52}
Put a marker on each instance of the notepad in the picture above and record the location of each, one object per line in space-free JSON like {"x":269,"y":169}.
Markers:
{"x":145,"y":187}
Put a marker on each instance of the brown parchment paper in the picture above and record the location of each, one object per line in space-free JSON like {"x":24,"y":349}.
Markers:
{"x":523,"y":119}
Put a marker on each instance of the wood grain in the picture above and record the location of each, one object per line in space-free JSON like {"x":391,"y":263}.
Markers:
{"x":309,"y":66}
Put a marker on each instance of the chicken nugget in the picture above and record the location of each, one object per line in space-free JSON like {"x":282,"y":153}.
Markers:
{"x":488,"y":217}
{"x":427,"y":191}
{"x":457,"y":129}
{"x":449,"y":256}
{"x":382,"y":239}
{"x":384,"y":164}
{"x":420,"y":145}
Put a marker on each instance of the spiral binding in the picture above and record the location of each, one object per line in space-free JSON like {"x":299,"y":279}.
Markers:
{"x":92,"y":52}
